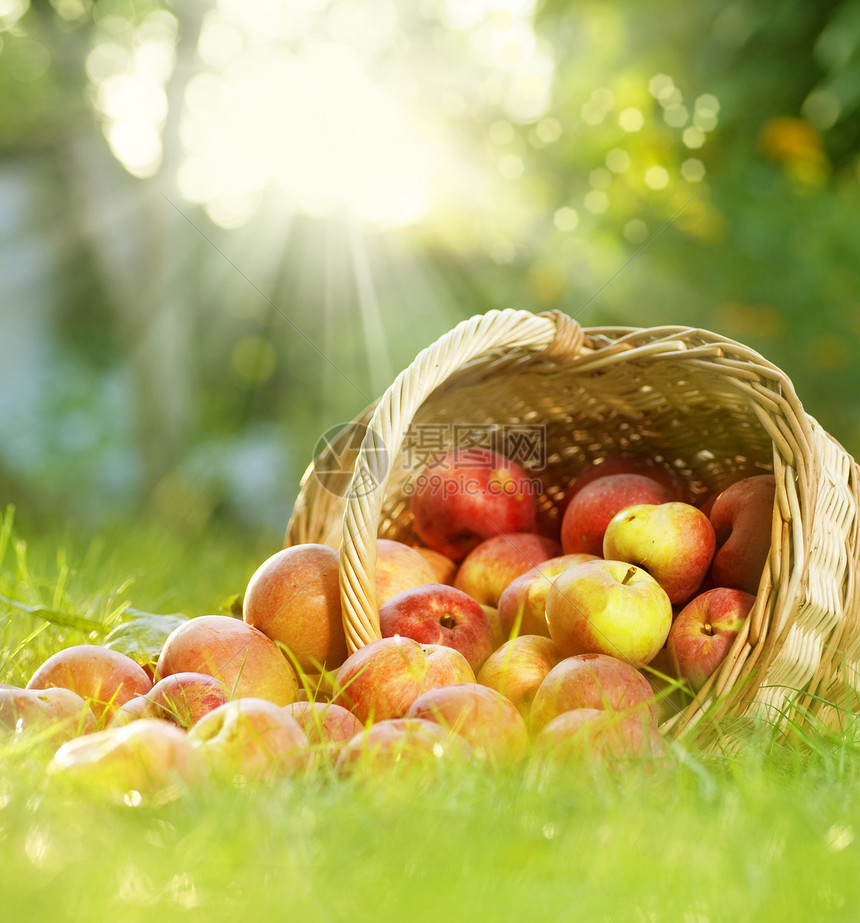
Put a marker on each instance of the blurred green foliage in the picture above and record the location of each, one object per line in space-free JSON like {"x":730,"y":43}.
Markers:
{"x":173,"y":342}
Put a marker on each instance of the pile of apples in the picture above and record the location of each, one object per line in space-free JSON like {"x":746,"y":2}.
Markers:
{"x":504,"y":634}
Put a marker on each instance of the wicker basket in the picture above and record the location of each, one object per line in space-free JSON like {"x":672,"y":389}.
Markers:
{"x":704,"y":406}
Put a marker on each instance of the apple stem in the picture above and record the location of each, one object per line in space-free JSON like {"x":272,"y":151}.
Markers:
{"x":628,"y":576}
{"x":448,"y":621}
{"x":708,"y":628}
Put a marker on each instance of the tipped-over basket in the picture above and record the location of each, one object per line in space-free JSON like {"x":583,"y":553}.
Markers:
{"x":558,"y":397}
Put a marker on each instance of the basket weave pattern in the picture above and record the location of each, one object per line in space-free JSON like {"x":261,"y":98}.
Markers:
{"x":700,"y":404}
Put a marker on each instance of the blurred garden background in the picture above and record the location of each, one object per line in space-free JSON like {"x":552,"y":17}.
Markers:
{"x":225,"y":225}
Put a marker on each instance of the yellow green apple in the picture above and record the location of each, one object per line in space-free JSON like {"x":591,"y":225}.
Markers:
{"x":673,"y":541}
{"x":608,"y":607}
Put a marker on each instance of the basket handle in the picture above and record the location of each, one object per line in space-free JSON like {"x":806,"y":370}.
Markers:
{"x":553,"y":334}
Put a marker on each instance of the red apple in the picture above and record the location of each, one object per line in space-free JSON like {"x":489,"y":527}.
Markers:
{"x":382,"y":679}
{"x":594,"y":733}
{"x":184,"y":698}
{"x":488,"y":569}
{"x":522,"y":605}
{"x":485,"y":718}
{"x":104,"y":678}
{"x":149,"y":757}
{"x":742,"y":516}
{"x":245,"y":660}
{"x":444,"y":568}
{"x":704,"y":630}
{"x":294,"y":598}
{"x":393,"y":742}
{"x":592,"y":681}
{"x":706,"y":502}
{"x":673,"y":541}
{"x":467,"y":495}
{"x":591,"y":508}
{"x":628,"y":464}
{"x":439,"y":614}
{"x":608,"y":607}
{"x":518,"y":667}
{"x":252,"y":737}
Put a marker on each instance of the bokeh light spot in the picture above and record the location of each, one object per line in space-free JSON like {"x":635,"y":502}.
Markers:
{"x":822,"y":109}
{"x":566,"y":218}
{"x":253,"y":359}
{"x":693,"y":170}
{"x":511,"y":166}
{"x":656,"y":177}
{"x":631,"y":119}
{"x":597,"y":106}
{"x":636,"y":231}
{"x":32,"y":61}
{"x":693,"y":137}
{"x":618,"y":160}
{"x":600,"y":178}
{"x":596,"y":201}
{"x":676,"y":116}
{"x":548,"y":130}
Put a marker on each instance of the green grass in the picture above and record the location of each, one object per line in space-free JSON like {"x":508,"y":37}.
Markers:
{"x":768,"y":833}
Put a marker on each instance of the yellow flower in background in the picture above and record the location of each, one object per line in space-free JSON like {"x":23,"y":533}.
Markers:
{"x":798,"y":147}
{"x":741,"y":320}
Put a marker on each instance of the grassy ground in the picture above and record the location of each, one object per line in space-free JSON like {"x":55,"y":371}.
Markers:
{"x":765,"y":834}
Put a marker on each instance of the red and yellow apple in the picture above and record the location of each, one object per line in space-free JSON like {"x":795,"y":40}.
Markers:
{"x":703,"y":632}
{"x":469,"y":494}
{"x":53,"y":715}
{"x":149,"y":756}
{"x":673,"y":541}
{"x":444,"y":568}
{"x":328,"y":726}
{"x":244,"y":659}
{"x":294,"y":598}
{"x":608,"y":607}
{"x":253,"y":738}
{"x":592,"y":681}
{"x":440,"y":614}
{"x":395,"y":742}
{"x":518,"y":667}
{"x":104,"y":678}
{"x":382,"y":679}
{"x":399,"y":567}
{"x":488,"y":569}
{"x":594,"y":733}
{"x":183,"y":698}
{"x":486,"y":719}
